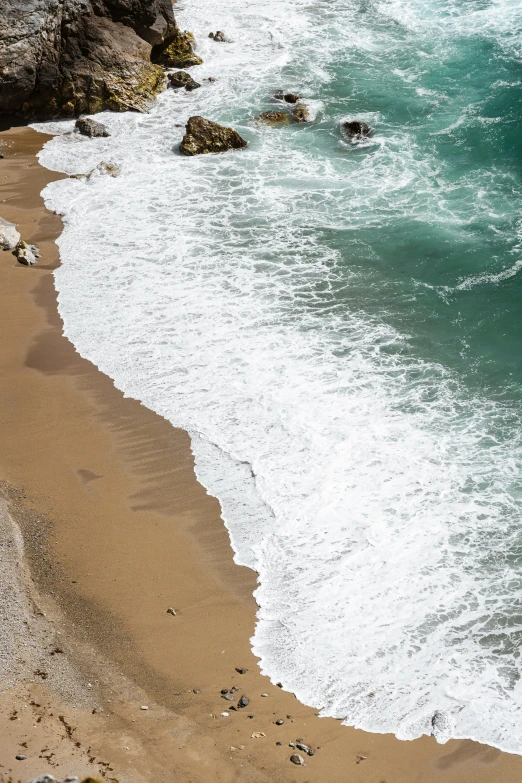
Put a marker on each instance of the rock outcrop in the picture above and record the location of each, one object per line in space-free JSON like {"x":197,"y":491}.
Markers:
{"x":71,"y":57}
{"x":176,"y":51}
{"x":204,"y":136}
{"x":26,"y":254}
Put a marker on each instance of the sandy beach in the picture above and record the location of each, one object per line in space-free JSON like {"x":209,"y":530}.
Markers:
{"x":105,"y":528}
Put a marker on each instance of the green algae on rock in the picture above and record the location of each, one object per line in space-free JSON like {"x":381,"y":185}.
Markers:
{"x":204,"y":136}
{"x":176,"y":51}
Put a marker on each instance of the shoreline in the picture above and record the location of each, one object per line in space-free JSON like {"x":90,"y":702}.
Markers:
{"x":116,"y":530}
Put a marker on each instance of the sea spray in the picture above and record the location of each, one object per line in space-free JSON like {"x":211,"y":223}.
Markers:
{"x":338,"y":329}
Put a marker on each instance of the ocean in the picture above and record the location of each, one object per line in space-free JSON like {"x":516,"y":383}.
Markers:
{"x":338,"y":328}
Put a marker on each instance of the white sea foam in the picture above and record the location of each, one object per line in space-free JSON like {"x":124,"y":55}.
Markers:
{"x":378,"y":501}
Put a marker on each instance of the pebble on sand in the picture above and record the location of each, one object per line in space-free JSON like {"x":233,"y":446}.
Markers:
{"x":279,"y":722}
{"x":224,"y":714}
{"x":295,"y":758}
{"x":244,"y":701}
{"x":20,"y":757}
{"x":258,"y":734}
{"x":241,"y":671}
{"x":171,"y":611}
{"x":144,"y":707}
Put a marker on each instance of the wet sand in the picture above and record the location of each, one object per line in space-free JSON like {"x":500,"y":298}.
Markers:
{"x":116,"y":530}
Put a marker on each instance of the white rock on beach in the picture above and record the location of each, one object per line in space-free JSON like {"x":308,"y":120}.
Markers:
{"x":9,"y":236}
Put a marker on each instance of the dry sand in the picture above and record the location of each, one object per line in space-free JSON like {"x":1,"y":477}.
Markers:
{"x":116,"y":529}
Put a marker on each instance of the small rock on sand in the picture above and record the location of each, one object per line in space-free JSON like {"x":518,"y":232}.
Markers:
{"x":279,"y":722}
{"x":241,"y":671}
{"x":258,"y":734}
{"x":144,"y":707}
{"x":171,"y":611}
{"x":26,"y":254}
{"x":224,"y":714}
{"x":9,"y":236}
{"x":20,"y":757}
{"x":295,"y":758}
{"x":244,"y":701}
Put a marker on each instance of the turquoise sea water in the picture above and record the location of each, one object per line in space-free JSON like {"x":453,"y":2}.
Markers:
{"x":337,"y":326}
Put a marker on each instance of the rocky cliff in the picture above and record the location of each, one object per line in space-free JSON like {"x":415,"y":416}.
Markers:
{"x":68,"y":57}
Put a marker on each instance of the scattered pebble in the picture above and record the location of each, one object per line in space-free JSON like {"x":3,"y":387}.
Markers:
{"x":224,"y":714}
{"x":258,"y":734}
{"x":234,"y":689}
{"x":144,"y":707}
{"x":304,"y":748}
{"x":264,"y":695}
{"x":227,"y":696}
{"x":171,"y":611}
{"x":20,"y":757}
{"x":291,"y":744}
{"x":244,"y":701}
{"x":196,"y":690}
{"x":241,"y":671}
{"x":279,"y":722}
{"x":279,"y":743}
{"x":295,"y":758}
{"x":279,"y":684}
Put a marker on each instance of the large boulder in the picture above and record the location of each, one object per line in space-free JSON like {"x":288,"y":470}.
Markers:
{"x":9,"y":236}
{"x":204,"y":136}
{"x":183,"y":79}
{"x":91,"y":128}
{"x":71,"y":57}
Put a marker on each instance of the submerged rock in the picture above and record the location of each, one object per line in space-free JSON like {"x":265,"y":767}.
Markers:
{"x":26,"y":254}
{"x":274,"y":117}
{"x":91,"y":128}
{"x":356,"y":130}
{"x":183,"y":79}
{"x":219,"y":36}
{"x":204,"y":136}
{"x":300,"y":113}
{"x":9,"y":236}
{"x":288,"y":97}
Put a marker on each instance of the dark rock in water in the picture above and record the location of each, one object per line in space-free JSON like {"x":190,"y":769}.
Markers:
{"x":219,"y":37}
{"x":300,"y":113}
{"x":176,"y":51}
{"x":183,"y":79}
{"x":204,"y":136}
{"x":288,"y":97}
{"x":72,"y":57}
{"x":295,"y":758}
{"x":274,"y":117}
{"x":91,"y":128}
{"x":357,"y":130}
{"x":213,"y":79}
{"x":244,"y":701}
